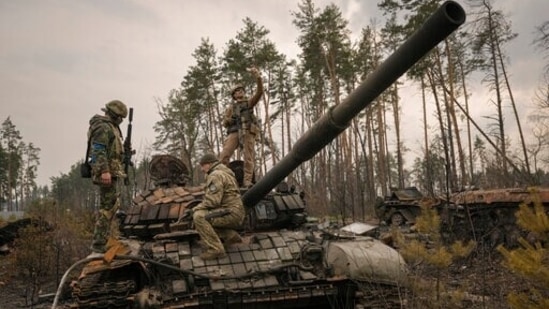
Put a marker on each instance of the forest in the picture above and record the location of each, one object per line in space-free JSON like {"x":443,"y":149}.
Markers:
{"x":455,"y":149}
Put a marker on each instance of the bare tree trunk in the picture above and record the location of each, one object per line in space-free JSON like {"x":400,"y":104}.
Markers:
{"x":288,"y":124}
{"x":429,"y":176}
{"x":524,"y":149}
{"x":381,"y":156}
{"x":359,"y":172}
{"x":370,"y":176}
{"x":449,"y":123}
{"x":499,"y":102}
{"x":217,"y":133}
{"x":267,"y":128}
{"x":452,"y":111}
{"x":442,"y":131}
{"x":469,"y":139}
{"x":396,"y":115}
{"x":526,"y":178}
{"x":386,"y":152}
{"x":343,"y":149}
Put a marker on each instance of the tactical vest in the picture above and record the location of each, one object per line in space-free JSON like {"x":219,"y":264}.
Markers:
{"x":245,"y":118}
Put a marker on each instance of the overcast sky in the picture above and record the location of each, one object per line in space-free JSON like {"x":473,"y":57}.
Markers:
{"x":62,"y":60}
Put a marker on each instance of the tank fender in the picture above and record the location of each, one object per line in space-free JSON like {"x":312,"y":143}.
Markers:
{"x":366,"y":258}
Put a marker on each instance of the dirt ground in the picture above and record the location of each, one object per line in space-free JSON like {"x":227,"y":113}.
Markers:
{"x":481,"y":281}
{"x":14,"y":289}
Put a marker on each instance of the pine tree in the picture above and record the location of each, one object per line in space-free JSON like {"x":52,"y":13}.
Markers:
{"x":531,"y":260}
{"x":431,"y":251}
{"x":11,"y":138}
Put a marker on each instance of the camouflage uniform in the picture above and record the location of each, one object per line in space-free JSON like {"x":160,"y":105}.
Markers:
{"x":106,"y":153}
{"x":239,"y":117}
{"x":221,"y":192}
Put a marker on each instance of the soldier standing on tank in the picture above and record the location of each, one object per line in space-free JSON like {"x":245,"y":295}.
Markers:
{"x":106,"y":153}
{"x":242,"y":126}
{"x":222,"y":195}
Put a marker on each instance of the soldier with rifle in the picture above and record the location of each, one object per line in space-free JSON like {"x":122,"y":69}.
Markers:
{"x":107,"y":154}
{"x":242,"y":127}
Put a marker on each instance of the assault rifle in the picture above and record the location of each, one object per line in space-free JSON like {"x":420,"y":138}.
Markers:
{"x":128,"y":151}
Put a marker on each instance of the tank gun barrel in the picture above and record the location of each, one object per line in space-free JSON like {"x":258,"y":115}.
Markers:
{"x":447,"y":18}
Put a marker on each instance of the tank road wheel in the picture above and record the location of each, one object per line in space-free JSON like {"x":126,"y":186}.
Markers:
{"x":397,"y":219}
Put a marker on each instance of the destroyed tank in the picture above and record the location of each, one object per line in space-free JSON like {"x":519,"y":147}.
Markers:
{"x":402,"y":206}
{"x":286,"y":260}
{"x":488,"y":215}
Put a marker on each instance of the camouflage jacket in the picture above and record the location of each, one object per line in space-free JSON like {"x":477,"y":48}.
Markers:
{"x":221,"y":190}
{"x":106,"y":151}
{"x":242,"y":110}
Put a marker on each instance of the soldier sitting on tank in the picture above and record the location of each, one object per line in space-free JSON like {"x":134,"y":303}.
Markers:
{"x":222,"y":195}
{"x":242,"y":127}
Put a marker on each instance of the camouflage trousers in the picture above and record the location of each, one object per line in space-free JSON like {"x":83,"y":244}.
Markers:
{"x":211,"y":232}
{"x":108,"y":204}
{"x":229,"y":146}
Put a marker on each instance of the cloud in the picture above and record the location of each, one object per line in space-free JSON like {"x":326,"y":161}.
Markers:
{"x":62,"y":60}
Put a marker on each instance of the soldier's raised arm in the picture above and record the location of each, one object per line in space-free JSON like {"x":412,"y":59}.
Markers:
{"x":259,"y":90}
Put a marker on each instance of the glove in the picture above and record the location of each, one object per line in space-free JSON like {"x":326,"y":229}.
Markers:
{"x":187,"y":215}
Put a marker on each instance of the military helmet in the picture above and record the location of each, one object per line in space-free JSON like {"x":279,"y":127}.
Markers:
{"x":117,"y":107}
{"x":235,"y":88}
{"x":208,"y":158}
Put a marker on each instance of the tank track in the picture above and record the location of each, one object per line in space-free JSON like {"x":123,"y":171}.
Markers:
{"x":96,"y":291}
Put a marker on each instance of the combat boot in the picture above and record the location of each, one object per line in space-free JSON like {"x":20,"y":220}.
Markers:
{"x":210,"y":255}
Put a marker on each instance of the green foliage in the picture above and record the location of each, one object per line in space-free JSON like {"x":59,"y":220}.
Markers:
{"x":460,"y":250}
{"x":71,"y":191}
{"x":534,"y":218}
{"x":429,"y":170}
{"x":34,"y":258}
{"x":18,"y":165}
{"x":12,"y":217}
{"x":429,"y":222}
{"x":34,"y":250}
{"x":531,"y":260}
{"x":430,"y":251}
{"x":49,"y":245}
{"x":533,"y":300}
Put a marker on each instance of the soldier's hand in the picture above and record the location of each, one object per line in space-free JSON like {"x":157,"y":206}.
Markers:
{"x":254,"y":71}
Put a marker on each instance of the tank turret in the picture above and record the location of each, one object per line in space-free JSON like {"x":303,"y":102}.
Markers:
{"x":449,"y":16}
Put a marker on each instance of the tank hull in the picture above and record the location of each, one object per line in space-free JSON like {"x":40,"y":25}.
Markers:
{"x":267,"y":270}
